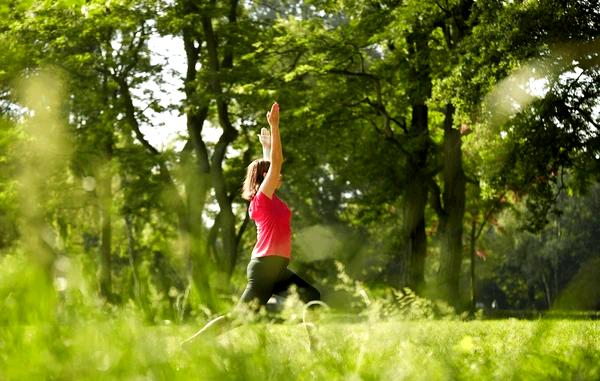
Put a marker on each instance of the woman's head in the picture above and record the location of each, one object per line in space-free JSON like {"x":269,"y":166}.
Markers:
{"x":257,"y":170}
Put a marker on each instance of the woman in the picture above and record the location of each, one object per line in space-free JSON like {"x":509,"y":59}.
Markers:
{"x":267,"y":271}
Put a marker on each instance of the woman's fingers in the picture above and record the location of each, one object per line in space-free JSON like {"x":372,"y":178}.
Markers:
{"x":273,"y":115}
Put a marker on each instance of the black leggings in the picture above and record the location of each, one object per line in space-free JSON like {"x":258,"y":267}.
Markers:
{"x":269,"y":275}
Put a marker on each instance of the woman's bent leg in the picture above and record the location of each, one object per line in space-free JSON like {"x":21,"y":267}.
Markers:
{"x":306,"y":291}
{"x":262,"y":274}
{"x":307,"y":294}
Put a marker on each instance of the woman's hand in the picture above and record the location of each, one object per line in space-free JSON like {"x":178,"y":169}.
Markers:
{"x":275,"y":155}
{"x":273,"y":115}
{"x":265,"y":138}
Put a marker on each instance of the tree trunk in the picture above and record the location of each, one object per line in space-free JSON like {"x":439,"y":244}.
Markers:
{"x":238,"y":240}
{"x":415,"y":198}
{"x":414,"y":234}
{"x":105,"y":195}
{"x":189,"y":215}
{"x":104,"y":177}
{"x":472,"y":253}
{"x":196,"y":172}
{"x":408,"y":268}
{"x":212,"y":241}
{"x":451,"y":223}
{"x":547,"y":291}
{"x":227,"y":218}
{"x":200,"y":266}
{"x":132,"y":256}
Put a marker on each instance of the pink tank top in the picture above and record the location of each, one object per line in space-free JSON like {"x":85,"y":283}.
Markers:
{"x":273,"y":226}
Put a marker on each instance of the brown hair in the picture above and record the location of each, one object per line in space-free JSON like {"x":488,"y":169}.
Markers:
{"x":254,"y":177}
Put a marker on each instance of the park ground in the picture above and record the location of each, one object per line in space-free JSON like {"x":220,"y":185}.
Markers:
{"x":123,"y":348}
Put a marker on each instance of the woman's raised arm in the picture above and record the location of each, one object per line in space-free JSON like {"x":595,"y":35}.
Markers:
{"x":271,"y":181}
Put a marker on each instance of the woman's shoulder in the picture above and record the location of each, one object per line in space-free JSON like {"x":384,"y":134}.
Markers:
{"x":261,"y":198}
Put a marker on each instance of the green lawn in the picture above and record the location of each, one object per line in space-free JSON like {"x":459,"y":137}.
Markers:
{"x":122,"y":348}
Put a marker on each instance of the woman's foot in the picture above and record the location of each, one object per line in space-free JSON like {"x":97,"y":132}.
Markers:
{"x":213,"y":328}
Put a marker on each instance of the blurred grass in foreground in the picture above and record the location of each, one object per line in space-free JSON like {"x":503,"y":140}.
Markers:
{"x":51,"y":332}
{"x":122,"y":348}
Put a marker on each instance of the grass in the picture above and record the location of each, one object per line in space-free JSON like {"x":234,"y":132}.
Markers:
{"x":121,"y":348}
{"x":426,"y":350}
{"x":47,"y":334}
{"x":60,"y":330}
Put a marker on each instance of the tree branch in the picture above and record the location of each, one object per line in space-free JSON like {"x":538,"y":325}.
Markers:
{"x":228,"y":54}
{"x":379,"y":106}
{"x":436,"y":199}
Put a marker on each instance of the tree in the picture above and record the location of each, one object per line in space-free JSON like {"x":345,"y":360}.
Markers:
{"x":382,"y":58}
{"x":545,"y":264}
